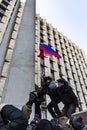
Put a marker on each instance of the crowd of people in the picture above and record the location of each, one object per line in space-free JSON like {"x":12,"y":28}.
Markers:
{"x":11,"y":118}
{"x":58,"y":91}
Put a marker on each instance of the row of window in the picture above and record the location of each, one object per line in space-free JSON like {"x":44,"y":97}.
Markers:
{"x":63,"y":50}
{"x":48,"y":34}
{"x":3,"y":7}
{"x":60,"y":73}
{"x":72,"y":70}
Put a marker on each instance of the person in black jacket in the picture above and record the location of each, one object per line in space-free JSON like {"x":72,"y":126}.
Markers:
{"x":12,"y":118}
{"x":44,"y":125}
{"x":49,"y":125}
{"x":67,"y":96}
{"x":77,"y":123}
{"x":36,"y":96}
{"x":33,"y":98}
{"x":47,"y":87}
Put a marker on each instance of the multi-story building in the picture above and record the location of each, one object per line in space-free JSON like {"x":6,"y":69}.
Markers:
{"x":72,"y":66}
{"x":10,"y":17}
{"x":16,"y":54}
{"x":17,"y":61}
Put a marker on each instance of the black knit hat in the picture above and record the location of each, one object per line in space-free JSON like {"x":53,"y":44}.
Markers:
{"x":61,"y":80}
{"x":48,"y":78}
{"x":77,"y":123}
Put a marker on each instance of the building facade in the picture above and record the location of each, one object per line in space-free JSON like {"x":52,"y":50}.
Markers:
{"x":10,"y":17}
{"x":72,"y":66}
{"x":17,"y":32}
{"x":17,"y":61}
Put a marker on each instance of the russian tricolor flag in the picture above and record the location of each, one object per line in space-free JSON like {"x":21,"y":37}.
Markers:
{"x":46,"y":49}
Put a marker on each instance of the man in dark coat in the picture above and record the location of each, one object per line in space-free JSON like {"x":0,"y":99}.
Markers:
{"x":48,"y":88}
{"x":44,"y":125}
{"x":48,"y":125}
{"x":37,"y":97}
{"x":12,"y":118}
{"x":67,"y":96}
{"x":33,"y":98}
{"x":77,"y":123}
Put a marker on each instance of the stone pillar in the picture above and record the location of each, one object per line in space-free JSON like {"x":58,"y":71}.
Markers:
{"x":21,"y":77}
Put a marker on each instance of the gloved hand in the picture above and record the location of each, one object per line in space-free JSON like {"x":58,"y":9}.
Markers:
{"x":26,"y":110}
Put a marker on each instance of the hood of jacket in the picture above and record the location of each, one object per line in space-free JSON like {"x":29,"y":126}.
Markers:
{"x":53,"y":85}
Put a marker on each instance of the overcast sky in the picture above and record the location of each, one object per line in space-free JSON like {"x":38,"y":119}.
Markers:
{"x":69,"y":16}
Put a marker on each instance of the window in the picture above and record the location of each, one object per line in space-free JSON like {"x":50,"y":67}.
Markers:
{"x":48,"y":35}
{"x":48,"y":28}
{"x":1,"y":12}
{"x":41,"y":35}
{"x":54,"y":33}
{"x":52,"y":73}
{"x":41,"y":40}
{"x":3,"y":6}
{"x":5,"y":2}
{"x":9,"y":0}
{"x":56,"y":47}
{"x":41,"y":23}
{"x":51,"y":64}
{"x":41,"y":30}
{"x":42,"y":70}
{"x":0,"y":18}
{"x":55,"y":40}
{"x":59,"y":37}
{"x":48,"y":41}
{"x":42,"y":61}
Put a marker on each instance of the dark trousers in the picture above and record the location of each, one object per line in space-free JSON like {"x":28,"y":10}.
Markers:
{"x":37,"y":101}
{"x":32,"y":98}
{"x":68,"y":110}
{"x":37,"y":106}
{"x":56,"y":111}
{"x":37,"y":109}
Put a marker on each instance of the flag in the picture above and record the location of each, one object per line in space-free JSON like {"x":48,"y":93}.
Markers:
{"x":46,"y":49}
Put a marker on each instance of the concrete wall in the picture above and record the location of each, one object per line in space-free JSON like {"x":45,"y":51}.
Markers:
{"x":7,"y":32}
{"x":5,"y":52}
{"x":20,"y":80}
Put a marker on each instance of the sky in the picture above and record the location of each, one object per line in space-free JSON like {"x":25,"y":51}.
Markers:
{"x":68,"y":16}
